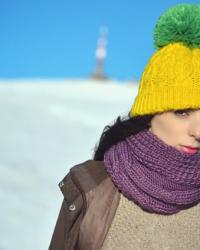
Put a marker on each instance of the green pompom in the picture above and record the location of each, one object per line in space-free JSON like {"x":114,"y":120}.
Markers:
{"x":179,"y":24}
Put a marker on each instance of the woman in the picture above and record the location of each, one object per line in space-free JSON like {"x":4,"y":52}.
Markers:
{"x":142,"y":188}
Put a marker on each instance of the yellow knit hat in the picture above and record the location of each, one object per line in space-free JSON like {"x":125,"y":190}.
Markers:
{"x":171,"y":79}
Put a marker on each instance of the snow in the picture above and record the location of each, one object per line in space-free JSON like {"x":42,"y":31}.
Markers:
{"x":46,"y":128}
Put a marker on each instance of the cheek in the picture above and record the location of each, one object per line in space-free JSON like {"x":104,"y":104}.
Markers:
{"x":168,"y":131}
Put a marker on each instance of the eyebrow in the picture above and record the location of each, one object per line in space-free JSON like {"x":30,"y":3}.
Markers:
{"x":189,"y":109}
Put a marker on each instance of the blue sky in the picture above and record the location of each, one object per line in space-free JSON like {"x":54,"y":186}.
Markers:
{"x":57,"y":38}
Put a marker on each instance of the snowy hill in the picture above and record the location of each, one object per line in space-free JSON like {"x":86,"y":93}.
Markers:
{"x":46,"y":128}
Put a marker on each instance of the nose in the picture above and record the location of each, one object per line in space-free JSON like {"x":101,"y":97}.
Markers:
{"x":195,"y":125}
{"x":196,"y":132}
{"x":198,"y":136}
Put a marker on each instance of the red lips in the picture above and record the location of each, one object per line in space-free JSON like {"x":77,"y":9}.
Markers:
{"x":189,"y":150}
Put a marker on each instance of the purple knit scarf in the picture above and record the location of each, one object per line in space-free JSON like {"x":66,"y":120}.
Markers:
{"x":154,"y":175}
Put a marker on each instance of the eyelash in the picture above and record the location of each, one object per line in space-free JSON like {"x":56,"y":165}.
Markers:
{"x":182,"y":112}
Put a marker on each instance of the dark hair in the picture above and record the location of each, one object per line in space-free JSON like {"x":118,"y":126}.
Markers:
{"x":120,"y":130}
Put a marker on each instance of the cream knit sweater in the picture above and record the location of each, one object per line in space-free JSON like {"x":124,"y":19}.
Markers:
{"x":134,"y":229}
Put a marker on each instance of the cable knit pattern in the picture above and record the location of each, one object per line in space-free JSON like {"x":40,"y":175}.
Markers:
{"x":155,"y":175}
{"x":135,"y":229}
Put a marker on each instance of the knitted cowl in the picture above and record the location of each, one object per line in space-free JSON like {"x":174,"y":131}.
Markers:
{"x":154,"y":175}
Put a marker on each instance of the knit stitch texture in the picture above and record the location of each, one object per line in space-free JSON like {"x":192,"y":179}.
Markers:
{"x":171,"y":79}
{"x":134,"y":229}
{"x":156,"y":176}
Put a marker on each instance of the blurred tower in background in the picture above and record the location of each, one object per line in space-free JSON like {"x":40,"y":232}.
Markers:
{"x":99,"y":72}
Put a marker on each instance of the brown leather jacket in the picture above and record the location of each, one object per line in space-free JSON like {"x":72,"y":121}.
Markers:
{"x":89,"y":205}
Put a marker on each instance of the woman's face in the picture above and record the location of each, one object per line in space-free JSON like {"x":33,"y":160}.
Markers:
{"x":180,"y":129}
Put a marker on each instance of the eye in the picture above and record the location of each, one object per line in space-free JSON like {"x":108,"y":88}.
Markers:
{"x":183,"y":113}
